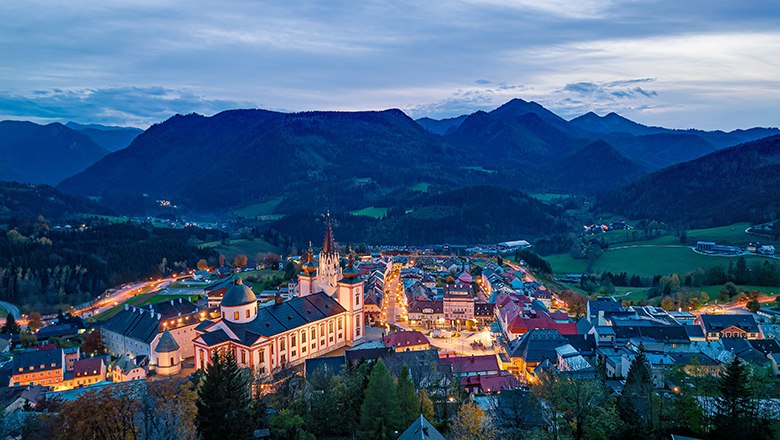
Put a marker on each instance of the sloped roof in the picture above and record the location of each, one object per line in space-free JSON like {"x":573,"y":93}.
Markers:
{"x":87,"y":367}
{"x":32,"y":361}
{"x":421,"y":429}
{"x":167,"y":343}
{"x":471,"y":364}
{"x":537,"y":345}
{"x":717,"y":323}
{"x":405,"y":338}
{"x":139,"y":324}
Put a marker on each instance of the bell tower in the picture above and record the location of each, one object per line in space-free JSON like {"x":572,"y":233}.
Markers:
{"x":329,"y":269}
{"x":350,"y":296}
{"x":307,"y":277}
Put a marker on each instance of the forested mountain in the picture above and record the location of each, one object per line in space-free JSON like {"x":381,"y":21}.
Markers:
{"x":441,"y":126}
{"x":34,"y":153}
{"x":312,"y":160}
{"x":735,"y":184}
{"x":481,"y":214}
{"x":108,"y":137}
{"x":596,"y":168}
{"x":24,"y":201}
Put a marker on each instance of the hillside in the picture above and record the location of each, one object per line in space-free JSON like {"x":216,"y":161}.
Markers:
{"x":312,"y":160}
{"x":34,"y":153}
{"x":441,"y":126}
{"x":595,"y":168}
{"x":735,"y":184}
{"x":25,"y":202}
{"x":110,"y":138}
{"x":481,"y":214}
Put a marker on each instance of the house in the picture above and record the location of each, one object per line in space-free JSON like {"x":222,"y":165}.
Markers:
{"x":86,"y":372}
{"x":126,"y":369}
{"x":406,"y":340}
{"x":728,"y":326}
{"x":421,"y":429}
{"x":458,"y":305}
{"x":38,"y":367}
{"x":536,"y":346}
{"x":480,"y":374}
{"x":430,"y":314}
{"x":596,"y":308}
{"x":136,"y":331}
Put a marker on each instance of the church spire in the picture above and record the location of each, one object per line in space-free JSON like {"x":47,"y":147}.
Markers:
{"x":329,"y":246}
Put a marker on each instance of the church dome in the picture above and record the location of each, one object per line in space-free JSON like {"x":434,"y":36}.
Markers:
{"x":167,"y":343}
{"x":310,"y":266}
{"x":239,"y":294}
{"x":350,"y":273}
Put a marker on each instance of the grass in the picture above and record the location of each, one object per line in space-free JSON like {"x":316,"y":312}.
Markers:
{"x":548,"y":197}
{"x":109,"y":218}
{"x":250,"y":248}
{"x":162,"y":298}
{"x":713,"y":291}
{"x":420,"y":187}
{"x":644,"y":260}
{"x":262,"y":209}
{"x":733,"y":234}
{"x":371,"y":212}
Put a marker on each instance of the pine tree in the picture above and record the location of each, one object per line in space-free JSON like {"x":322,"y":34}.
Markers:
{"x":408,"y":403}
{"x":379,"y":412}
{"x":224,"y":401}
{"x":734,"y":408}
{"x":426,"y":406}
{"x":11,"y":326}
{"x":471,"y":423}
{"x":635,"y":402}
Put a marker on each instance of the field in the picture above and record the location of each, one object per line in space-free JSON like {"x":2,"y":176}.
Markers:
{"x":644,"y":260}
{"x":420,"y":187}
{"x":371,"y":212}
{"x":264,"y":209}
{"x":713,"y":291}
{"x":250,"y":248}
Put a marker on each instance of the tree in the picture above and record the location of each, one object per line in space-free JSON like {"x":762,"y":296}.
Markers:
{"x":408,"y":403}
{"x":93,"y":343}
{"x":27,"y":339}
{"x":378,"y":414}
{"x":471,"y":423}
{"x":11,"y":326}
{"x":426,"y":406}
{"x":224,"y":399}
{"x":34,"y":321}
{"x":288,"y":426}
{"x":753,"y":305}
{"x":203,"y":264}
{"x":734,"y":409}
{"x":240,"y":260}
{"x":108,"y":414}
{"x":168,"y":410}
{"x":635,"y":402}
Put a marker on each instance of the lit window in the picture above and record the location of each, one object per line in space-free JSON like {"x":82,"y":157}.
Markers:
{"x":235,"y":316}
{"x":247,"y":313}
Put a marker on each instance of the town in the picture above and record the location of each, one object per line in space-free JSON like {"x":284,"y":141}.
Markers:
{"x":479,"y":344}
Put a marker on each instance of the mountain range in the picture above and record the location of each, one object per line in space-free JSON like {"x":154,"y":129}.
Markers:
{"x":109,"y":137}
{"x":345,"y":161}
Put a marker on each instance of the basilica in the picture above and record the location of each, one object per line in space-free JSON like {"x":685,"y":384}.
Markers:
{"x":327,"y":314}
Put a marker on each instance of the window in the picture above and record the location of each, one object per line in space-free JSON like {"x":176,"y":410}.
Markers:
{"x":247,"y":313}
{"x":292,"y":341}
{"x":172,"y":362}
{"x":313,"y":333}
{"x":282,"y":342}
{"x":330,"y":327}
{"x":341,"y":324}
{"x":303,"y":337}
{"x":235,"y":316}
{"x":357,"y":325}
{"x":262,"y":356}
{"x":243,"y":357}
{"x":357,"y":298}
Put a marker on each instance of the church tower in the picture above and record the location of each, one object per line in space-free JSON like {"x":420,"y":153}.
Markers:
{"x":308,"y":275}
{"x":329,"y":270}
{"x":350,"y":296}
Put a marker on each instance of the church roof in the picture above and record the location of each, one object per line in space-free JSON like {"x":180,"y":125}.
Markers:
{"x":329,"y":245}
{"x":278,"y":318}
{"x":238,"y":295}
{"x":167,"y":343}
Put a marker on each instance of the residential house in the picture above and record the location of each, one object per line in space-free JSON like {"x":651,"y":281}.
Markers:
{"x":729,"y":326}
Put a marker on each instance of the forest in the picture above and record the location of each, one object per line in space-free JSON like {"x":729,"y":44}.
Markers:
{"x":48,"y":269}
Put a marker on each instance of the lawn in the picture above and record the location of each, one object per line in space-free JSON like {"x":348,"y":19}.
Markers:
{"x":733,"y":235}
{"x":371,"y":212}
{"x":250,"y":248}
{"x":420,"y":187}
{"x":713,"y":291}
{"x":644,"y":260}
{"x":259,"y":209}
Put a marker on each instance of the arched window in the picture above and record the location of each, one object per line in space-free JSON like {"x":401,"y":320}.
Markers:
{"x":357,"y":298}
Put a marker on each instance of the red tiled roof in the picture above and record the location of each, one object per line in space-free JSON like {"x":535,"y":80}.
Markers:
{"x":87,"y":367}
{"x":472,"y":364}
{"x":491,"y":383}
{"x":405,"y":338}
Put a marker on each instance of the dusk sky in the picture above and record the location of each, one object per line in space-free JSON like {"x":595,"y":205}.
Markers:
{"x":704,"y":64}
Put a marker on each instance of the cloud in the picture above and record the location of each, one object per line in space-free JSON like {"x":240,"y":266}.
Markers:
{"x":466,"y":101}
{"x":137,"y":106}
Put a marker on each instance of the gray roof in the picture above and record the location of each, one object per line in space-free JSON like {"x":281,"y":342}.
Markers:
{"x":717,"y":323}
{"x":279,"y":318}
{"x":167,"y":344}
{"x":32,"y":361}
{"x":238,"y":295}
{"x":138,"y":324}
{"x":421,"y":429}
{"x":537,"y":345}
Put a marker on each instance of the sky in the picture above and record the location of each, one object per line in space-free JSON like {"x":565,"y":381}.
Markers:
{"x":679,"y":64}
